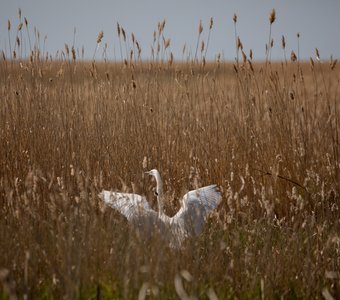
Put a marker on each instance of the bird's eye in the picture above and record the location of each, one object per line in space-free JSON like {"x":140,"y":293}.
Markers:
{"x":156,"y":193}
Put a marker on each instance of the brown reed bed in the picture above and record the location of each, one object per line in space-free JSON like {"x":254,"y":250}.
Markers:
{"x":267,"y":133}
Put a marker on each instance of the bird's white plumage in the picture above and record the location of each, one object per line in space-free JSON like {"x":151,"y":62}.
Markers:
{"x":188,"y":221}
{"x":196,"y":205}
{"x":129,"y":205}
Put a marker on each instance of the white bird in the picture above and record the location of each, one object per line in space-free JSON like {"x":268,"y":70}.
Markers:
{"x":188,"y":221}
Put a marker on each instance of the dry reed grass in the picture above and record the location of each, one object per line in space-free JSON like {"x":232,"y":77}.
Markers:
{"x":268,"y":134}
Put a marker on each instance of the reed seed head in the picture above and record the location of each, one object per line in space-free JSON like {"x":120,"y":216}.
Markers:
{"x":272,"y":16}
{"x":100,"y":37}
{"x":317,"y":54}
{"x":293,"y":56}
{"x":218,"y":58}
{"x":211,"y":23}
{"x":235,"y":18}
{"x":26,"y":22}
{"x":123,"y":33}
{"x":171,"y":59}
{"x":67,"y":49}
{"x":19,"y":26}
{"x":333,"y":64}
{"x":138,"y":47}
{"x":162,"y":25}
{"x":283,"y":42}
{"x":239,"y":43}
{"x":166,"y":43}
{"x":200,"y":27}
{"x":8,"y":25}
{"x":251,"y":66}
{"x":73,"y":53}
{"x":244,"y":57}
{"x":118,"y":29}
{"x":235,"y":68}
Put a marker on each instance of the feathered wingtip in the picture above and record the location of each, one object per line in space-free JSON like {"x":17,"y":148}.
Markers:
{"x":214,"y":187}
{"x":104,"y":196}
{"x":211,"y":195}
{"x":217,"y":190}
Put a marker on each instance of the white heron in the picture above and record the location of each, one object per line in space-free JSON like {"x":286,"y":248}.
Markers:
{"x":188,"y":221}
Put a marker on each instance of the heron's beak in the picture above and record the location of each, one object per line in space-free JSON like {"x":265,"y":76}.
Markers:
{"x":148,"y":173}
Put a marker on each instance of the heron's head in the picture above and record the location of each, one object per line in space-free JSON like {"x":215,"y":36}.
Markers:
{"x":153,"y":172}
{"x":158,"y":179}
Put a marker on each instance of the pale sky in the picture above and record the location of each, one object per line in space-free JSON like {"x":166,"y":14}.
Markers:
{"x":318,"y":23}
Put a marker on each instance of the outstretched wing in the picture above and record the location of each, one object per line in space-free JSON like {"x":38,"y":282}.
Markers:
{"x":129,"y":205}
{"x":137,"y":211}
{"x":196,"y":205}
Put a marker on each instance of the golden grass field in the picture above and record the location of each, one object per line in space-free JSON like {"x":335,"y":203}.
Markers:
{"x":266,"y":133}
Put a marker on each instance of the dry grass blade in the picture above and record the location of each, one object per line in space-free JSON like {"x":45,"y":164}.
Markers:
{"x":143,"y":292}
{"x":327,"y":295}
{"x":332,"y":275}
{"x":181,"y":293}
{"x":211,"y":294}
{"x":186,"y":275}
{"x":8,"y":284}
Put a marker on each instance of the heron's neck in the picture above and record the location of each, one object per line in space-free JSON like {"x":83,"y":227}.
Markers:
{"x":159,"y":191}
